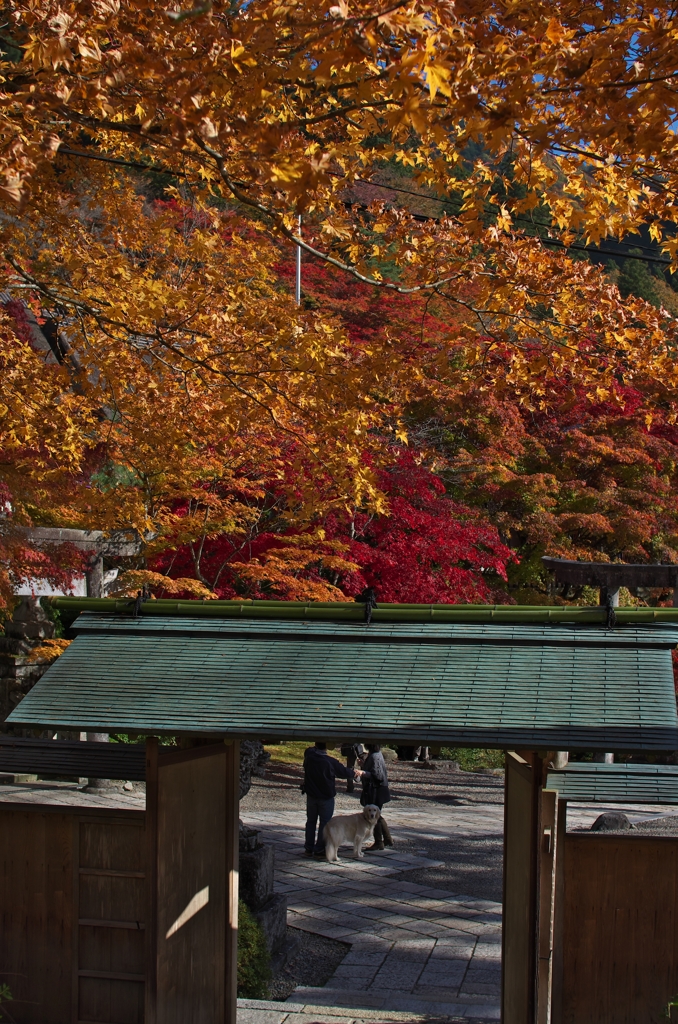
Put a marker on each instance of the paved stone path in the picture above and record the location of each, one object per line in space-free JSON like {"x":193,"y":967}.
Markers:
{"x":415,"y":950}
{"x":260,"y":1011}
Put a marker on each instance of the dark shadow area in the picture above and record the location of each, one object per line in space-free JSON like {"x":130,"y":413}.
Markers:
{"x":472,"y":866}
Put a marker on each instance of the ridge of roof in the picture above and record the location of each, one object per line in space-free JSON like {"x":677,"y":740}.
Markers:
{"x":383,"y":613}
{"x":492,"y":633}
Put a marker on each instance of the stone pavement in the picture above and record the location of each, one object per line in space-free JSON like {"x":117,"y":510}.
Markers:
{"x":414,"y":950}
{"x":260,"y":1011}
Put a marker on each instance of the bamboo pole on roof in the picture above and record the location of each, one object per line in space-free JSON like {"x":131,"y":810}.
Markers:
{"x":354,"y":612}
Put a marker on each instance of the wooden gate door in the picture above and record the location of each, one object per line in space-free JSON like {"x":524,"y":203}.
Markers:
{"x":520,"y":890}
{"x":620,"y":928}
{"x":193,"y":800}
{"x":533,"y":828}
{"x":112,"y":913}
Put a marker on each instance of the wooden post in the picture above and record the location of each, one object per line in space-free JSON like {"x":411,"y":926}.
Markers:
{"x":548,"y":827}
{"x":232,"y":865}
{"x":609,"y":592}
{"x":151,"y":1000}
{"x":94,"y":575}
{"x":559,"y":915}
{"x":521,"y":822}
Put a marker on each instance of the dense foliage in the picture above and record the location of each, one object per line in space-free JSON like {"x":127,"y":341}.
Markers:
{"x":456,"y":363}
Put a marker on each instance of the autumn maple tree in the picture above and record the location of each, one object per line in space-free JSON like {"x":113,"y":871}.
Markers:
{"x":155,"y":157}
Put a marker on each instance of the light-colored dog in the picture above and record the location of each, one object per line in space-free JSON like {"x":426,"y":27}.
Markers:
{"x":349,"y":828}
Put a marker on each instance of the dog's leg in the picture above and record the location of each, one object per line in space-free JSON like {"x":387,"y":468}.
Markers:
{"x":330,"y":851}
{"x":358,"y":845}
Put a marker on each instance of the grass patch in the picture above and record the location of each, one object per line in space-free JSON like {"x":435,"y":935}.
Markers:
{"x":289,"y":753}
{"x":473,"y":758}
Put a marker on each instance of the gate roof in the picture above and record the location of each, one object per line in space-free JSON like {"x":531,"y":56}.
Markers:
{"x":584,"y":782}
{"x":458,"y":684}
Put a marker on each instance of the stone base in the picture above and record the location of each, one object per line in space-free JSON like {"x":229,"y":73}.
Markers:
{"x":272,"y":918}
{"x":256,"y":876}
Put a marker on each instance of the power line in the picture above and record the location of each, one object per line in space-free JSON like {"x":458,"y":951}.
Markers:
{"x":404,"y":191}
{"x":547,"y":241}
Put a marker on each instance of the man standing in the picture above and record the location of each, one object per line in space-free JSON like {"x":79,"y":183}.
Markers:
{"x":320,"y":772}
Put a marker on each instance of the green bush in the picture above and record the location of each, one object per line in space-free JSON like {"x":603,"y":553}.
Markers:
{"x":472,"y":758}
{"x":254,"y":966}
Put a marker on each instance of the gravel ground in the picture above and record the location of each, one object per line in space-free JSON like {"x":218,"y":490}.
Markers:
{"x":659,"y":826}
{"x":314,"y":962}
{"x":471,"y":865}
{"x":655,"y":827}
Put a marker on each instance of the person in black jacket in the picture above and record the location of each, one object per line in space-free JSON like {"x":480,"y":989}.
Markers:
{"x":375,"y":791}
{"x":320,"y":772}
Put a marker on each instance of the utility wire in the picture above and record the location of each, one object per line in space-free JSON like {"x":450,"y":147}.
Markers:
{"x":523,"y":220}
{"x":404,"y":191}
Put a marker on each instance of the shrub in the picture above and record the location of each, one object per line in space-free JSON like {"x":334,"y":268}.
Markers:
{"x":472,"y":758}
{"x":254,"y":967}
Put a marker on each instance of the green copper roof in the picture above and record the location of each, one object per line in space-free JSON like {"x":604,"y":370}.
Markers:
{"x":459,"y":684}
{"x":584,"y":782}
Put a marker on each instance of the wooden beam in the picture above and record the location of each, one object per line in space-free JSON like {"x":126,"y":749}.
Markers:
{"x":612,"y":575}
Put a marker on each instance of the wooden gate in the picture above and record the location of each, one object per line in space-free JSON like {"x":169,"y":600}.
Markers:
{"x":531,"y":870}
{"x":620,"y":933}
{"x":192,"y":807}
{"x":520,"y":880}
{"x":73,"y":910}
{"x":112,"y":912}
{"x":126,"y":917}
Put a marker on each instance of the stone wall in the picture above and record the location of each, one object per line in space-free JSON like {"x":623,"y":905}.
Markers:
{"x":25,"y":630}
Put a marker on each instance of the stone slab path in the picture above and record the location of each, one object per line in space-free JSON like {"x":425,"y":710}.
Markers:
{"x":260,"y":1011}
{"x":414,"y":950}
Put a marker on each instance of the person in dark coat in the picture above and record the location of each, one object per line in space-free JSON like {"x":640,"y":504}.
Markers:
{"x":375,"y":791}
{"x":320,"y":772}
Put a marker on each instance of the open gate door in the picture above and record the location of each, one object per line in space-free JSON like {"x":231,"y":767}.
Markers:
{"x":532,"y":869}
{"x":192,"y":804}
{"x":520,"y":893}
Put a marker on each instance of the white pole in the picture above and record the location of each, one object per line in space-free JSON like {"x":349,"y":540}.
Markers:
{"x":297,"y":288}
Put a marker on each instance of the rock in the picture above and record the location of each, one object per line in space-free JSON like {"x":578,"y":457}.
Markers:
{"x":249,"y":838}
{"x":611,"y":821}
{"x":253,"y":759}
{"x":128,"y":787}
{"x":30,"y":620}
{"x":389,"y":754}
{"x":256,"y":876}
{"x":273,"y":920}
